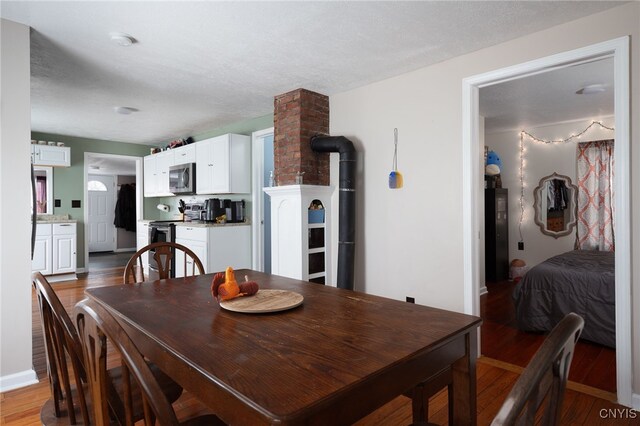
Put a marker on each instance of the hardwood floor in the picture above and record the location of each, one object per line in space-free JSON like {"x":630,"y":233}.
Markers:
{"x":495,"y":379}
{"x":593,"y":365}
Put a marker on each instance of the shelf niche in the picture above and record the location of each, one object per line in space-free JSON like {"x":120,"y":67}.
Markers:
{"x":300,"y":249}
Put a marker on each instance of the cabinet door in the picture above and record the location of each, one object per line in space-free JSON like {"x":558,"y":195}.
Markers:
{"x":229,"y":246}
{"x":199,"y":248}
{"x":150,"y":176}
{"x":142,"y":239}
{"x":165,"y":160}
{"x":64,"y":254}
{"x":46,"y":155}
{"x":220,"y":172}
{"x":42,"y":255}
{"x":184,"y":154}
{"x":204,"y":167}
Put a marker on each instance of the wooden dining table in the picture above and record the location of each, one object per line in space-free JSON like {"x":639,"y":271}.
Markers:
{"x":335,"y":358}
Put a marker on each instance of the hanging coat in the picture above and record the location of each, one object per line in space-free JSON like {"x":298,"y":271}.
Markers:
{"x":125,"y":214}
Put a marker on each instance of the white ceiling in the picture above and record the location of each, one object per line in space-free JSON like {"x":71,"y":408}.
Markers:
{"x":99,"y":164}
{"x":549,"y":98}
{"x":197,"y":66}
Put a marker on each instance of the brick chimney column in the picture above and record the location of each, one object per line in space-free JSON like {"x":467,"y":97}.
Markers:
{"x":299,"y":115}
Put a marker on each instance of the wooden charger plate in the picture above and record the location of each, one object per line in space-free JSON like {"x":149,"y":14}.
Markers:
{"x":264,"y":301}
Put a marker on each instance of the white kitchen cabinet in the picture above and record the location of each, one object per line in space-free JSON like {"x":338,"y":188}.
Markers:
{"x":223,"y":165}
{"x":55,"y":249}
{"x":42,"y":253}
{"x":47,"y":155}
{"x":151,"y":179}
{"x":142,"y":239}
{"x":156,"y":174}
{"x":216,"y":246}
{"x":196,"y":239}
{"x":185,"y":154}
{"x":64,"y":248}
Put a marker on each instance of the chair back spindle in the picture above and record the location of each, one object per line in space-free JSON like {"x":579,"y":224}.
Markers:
{"x":163,"y":254}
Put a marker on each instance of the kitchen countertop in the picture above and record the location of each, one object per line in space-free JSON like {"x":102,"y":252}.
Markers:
{"x":201,"y":224}
{"x":54,"y":218}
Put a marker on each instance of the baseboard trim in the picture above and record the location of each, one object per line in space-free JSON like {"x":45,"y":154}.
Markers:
{"x":483,"y":290}
{"x":635,"y":401}
{"x":18,"y":380}
{"x":81,"y":270}
{"x":122,"y":250}
{"x":62,"y":277}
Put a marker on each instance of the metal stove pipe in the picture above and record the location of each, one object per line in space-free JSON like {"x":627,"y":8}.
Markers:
{"x":347,"y":200}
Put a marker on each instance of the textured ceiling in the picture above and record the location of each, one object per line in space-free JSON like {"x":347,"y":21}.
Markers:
{"x":549,"y":98}
{"x":197,"y":66}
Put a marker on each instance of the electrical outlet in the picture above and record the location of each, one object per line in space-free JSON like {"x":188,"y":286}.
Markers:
{"x":520,"y":245}
{"x":411,"y":300}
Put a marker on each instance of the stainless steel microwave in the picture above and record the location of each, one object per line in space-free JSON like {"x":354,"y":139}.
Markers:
{"x":182,"y":178}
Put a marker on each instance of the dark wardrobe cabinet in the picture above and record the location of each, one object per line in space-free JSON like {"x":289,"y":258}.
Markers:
{"x":496,"y":234}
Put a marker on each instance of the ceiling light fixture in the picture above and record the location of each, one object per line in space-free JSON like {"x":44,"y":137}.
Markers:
{"x":591,"y":89}
{"x":125,"y":110}
{"x":122,"y":39}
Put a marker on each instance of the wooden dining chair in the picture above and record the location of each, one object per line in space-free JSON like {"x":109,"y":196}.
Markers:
{"x":69,"y":403}
{"x":163,"y":253}
{"x":539,"y":391}
{"x":97,"y":326}
{"x":421,"y":394}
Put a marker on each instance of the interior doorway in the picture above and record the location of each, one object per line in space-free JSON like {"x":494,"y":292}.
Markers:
{"x":263,"y":169}
{"x":473,"y":172}
{"x":118,"y":171}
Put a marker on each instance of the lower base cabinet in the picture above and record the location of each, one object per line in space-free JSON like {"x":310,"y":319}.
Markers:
{"x":217,"y":247}
{"x":55,"y":249}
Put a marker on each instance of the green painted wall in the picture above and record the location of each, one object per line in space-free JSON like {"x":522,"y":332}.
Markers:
{"x":68,"y":182}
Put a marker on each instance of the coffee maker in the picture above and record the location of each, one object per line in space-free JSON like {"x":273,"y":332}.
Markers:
{"x":213,"y":208}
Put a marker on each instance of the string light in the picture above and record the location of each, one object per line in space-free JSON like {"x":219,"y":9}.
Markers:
{"x":524,"y":133}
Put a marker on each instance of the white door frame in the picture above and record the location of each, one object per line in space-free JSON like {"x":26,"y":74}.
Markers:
{"x":257,"y":194}
{"x":139,"y":194}
{"x":472,"y":186}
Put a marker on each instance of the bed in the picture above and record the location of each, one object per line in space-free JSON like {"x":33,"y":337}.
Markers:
{"x":579,"y":281}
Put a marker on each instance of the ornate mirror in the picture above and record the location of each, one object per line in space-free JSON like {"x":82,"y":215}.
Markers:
{"x":555,"y":205}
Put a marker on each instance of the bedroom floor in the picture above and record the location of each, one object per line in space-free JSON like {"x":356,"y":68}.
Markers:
{"x":593,"y":365}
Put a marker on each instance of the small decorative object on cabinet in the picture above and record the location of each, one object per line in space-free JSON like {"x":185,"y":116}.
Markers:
{"x":496,"y":234}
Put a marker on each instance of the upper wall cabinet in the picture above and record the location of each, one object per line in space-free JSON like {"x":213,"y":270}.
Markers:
{"x":223,"y":165}
{"x":156,"y":174}
{"x":47,"y":155}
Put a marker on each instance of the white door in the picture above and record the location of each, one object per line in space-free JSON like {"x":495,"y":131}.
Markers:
{"x":101,"y":205}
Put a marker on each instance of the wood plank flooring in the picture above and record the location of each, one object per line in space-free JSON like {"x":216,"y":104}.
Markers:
{"x":593,"y":365}
{"x":495,"y":379}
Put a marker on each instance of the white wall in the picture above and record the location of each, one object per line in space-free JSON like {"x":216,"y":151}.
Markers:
{"x":540,"y":160}
{"x":15,"y":195}
{"x":409,"y":241}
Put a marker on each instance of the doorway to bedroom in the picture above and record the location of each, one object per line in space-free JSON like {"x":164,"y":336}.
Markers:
{"x":537,"y":198}
{"x":529,"y":117}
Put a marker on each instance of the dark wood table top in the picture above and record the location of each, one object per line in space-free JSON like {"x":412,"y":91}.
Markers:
{"x":337,"y":349}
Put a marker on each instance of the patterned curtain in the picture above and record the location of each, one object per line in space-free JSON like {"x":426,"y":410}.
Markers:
{"x":595,"y":196}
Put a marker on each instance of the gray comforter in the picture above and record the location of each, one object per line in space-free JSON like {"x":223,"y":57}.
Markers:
{"x":577,"y":281}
